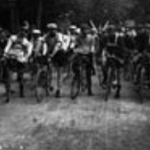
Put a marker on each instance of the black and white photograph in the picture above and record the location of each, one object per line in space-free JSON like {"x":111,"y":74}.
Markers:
{"x":74,"y":75}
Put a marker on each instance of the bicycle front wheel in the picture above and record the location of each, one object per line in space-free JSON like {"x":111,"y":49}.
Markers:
{"x":142,"y":84}
{"x":75,"y":88}
{"x":40,"y":92}
{"x":108,"y":84}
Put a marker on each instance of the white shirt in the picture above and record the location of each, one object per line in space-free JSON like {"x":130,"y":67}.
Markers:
{"x":15,"y":47}
{"x":65,"y":40}
{"x":39,"y":46}
{"x":86,"y":45}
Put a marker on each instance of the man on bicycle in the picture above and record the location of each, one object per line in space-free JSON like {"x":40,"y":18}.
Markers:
{"x":38,"y":43}
{"x":4,"y":35}
{"x":72,"y":42}
{"x":85,"y":44}
{"x":16,"y":55}
{"x":142,"y":56}
{"x":112,"y":55}
{"x":52,"y":38}
{"x":56,"y":50}
{"x":39,"y":50}
{"x":18,"y":46}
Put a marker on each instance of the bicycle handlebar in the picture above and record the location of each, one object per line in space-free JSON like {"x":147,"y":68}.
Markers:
{"x":12,"y":56}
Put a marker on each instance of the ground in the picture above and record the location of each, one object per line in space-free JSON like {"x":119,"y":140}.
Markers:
{"x":89,"y":123}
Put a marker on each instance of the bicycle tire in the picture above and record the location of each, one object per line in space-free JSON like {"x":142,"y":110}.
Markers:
{"x":1,"y":72}
{"x":108,"y":84}
{"x":39,"y":90}
{"x":141,"y":84}
{"x":83,"y":81}
{"x":75,"y":88}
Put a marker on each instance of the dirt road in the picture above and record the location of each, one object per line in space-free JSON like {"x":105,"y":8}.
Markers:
{"x":87,"y":124}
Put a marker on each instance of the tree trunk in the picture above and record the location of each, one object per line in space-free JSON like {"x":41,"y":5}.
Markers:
{"x":13,"y":19}
{"x":39,"y":14}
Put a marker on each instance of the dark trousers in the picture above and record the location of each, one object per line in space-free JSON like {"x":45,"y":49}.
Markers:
{"x":84,"y":59}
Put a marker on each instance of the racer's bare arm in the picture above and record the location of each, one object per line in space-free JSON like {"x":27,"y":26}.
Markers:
{"x":56,"y":49}
{"x":45,"y":48}
{"x":8,"y":47}
{"x":29,"y":47}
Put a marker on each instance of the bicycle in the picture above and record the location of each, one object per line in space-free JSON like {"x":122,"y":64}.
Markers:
{"x":79,"y":82}
{"x":143,"y":76}
{"x":113,"y":77}
{"x":42,"y":78}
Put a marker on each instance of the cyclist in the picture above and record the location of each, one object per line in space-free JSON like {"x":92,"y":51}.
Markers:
{"x":38,"y":44}
{"x":115,"y":53}
{"x":21,"y":49}
{"x":4,"y":36}
{"x":72,"y":45}
{"x":19,"y":46}
{"x":142,"y":44}
{"x":56,"y":50}
{"x":85,"y":44}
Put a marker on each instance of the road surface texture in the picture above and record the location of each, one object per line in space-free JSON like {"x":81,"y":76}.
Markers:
{"x":89,"y":123}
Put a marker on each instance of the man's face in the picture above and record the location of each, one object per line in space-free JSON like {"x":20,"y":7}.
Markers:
{"x":84,"y":31}
{"x":72,"y":32}
{"x":21,"y":35}
{"x":35,"y":36}
{"x":52,"y":32}
{"x":3,"y":35}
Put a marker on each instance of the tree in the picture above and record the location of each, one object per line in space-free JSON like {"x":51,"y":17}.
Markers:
{"x":113,"y":10}
{"x":40,"y":12}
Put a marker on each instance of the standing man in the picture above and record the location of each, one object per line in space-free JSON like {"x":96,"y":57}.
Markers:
{"x":85,"y":45}
{"x":18,"y":46}
{"x":54,"y":41}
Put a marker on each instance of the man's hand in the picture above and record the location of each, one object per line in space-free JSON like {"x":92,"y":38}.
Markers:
{"x":49,"y":59}
{"x":5,"y":55}
{"x":26,"y":58}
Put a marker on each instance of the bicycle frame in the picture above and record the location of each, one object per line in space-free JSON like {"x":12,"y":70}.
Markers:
{"x":112,"y":75}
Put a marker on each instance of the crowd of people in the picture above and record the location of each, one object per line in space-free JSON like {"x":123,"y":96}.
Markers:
{"x":126,"y":45}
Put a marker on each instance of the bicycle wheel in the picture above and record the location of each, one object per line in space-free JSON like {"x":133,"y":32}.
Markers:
{"x":142,"y":84}
{"x":108,"y":83}
{"x":40,"y":92}
{"x":100,"y":76}
{"x":1,"y":72}
{"x":48,"y":81}
{"x":75,"y":88}
{"x":83,"y":81}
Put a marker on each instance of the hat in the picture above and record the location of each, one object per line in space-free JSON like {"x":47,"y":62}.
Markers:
{"x":52,"y":26}
{"x":85,"y":27}
{"x":72,"y":27}
{"x":111,"y":28}
{"x":78,"y":31}
{"x":94,"y":30}
{"x":36,"y":31}
{"x":1,"y":29}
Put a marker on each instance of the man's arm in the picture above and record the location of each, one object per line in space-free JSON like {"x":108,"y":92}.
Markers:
{"x":29,"y":48}
{"x":8,"y":46}
{"x":58,"y":44}
{"x":45,"y":48}
{"x":56,"y":49}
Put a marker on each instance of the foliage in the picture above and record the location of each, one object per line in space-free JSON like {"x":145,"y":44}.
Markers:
{"x":84,"y":10}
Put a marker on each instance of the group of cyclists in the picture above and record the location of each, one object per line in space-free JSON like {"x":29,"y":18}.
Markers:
{"x":97,"y":49}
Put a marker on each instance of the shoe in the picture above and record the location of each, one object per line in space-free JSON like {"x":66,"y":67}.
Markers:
{"x":22,"y":95}
{"x":93,"y":72}
{"x":117,"y":95}
{"x":90,"y":93}
{"x":57,"y":95}
{"x":51,"y":88}
{"x":6,"y":101}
